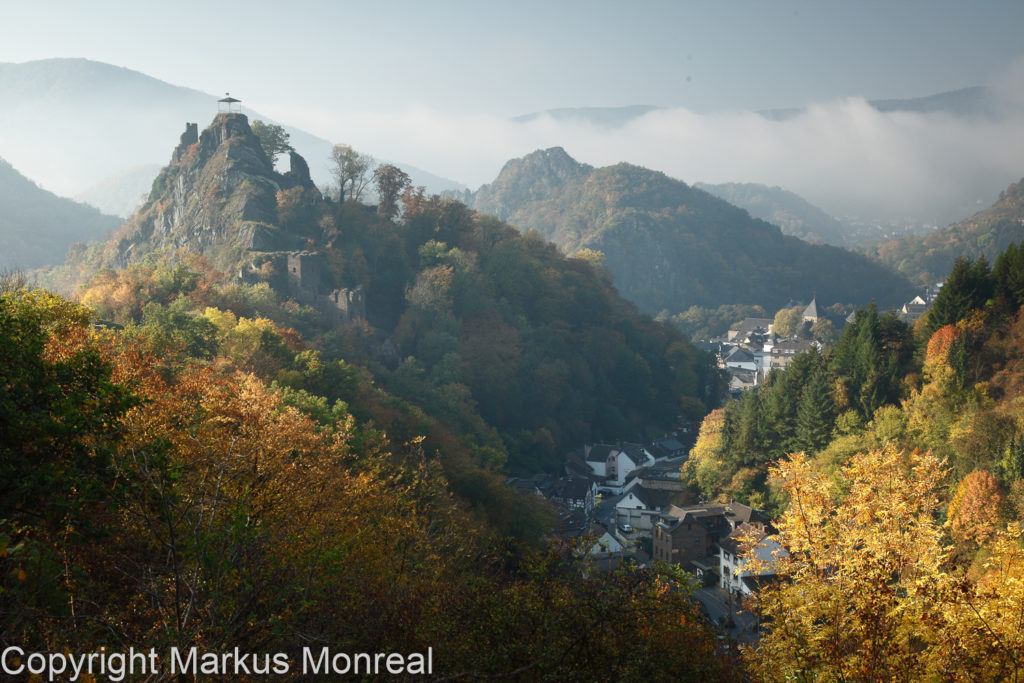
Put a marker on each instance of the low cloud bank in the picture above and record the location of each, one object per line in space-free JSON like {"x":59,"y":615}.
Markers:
{"x":844,"y":156}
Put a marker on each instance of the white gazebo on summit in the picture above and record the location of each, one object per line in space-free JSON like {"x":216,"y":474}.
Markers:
{"x":227,"y":102}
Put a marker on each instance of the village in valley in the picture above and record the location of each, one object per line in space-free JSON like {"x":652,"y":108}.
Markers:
{"x":627,"y":501}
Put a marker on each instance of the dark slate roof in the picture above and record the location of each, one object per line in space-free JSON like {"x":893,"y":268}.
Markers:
{"x":715,"y":516}
{"x":670,"y":443}
{"x":635,"y":452}
{"x":658,"y":452}
{"x":599,"y":452}
{"x":653,"y":499}
{"x":738,"y":355}
{"x":756,"y":583}
{"x":571,"y":488}
{"x":530,"y":484}
{"x":710,"y":347}
{"x":739,"y":513}
{"x":792,"y":346}
{"x":752,"y":324}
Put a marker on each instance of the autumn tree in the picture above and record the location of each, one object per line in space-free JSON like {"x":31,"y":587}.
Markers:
{"x":352,"y":171}
{"x":976,"y":508}
{"x":391,"y":182}
{"x":58,"y":411}
{"x":789,"y":321}
{"x":705,"y":464}
{"x":273,"y":139}
{"x":823,"y":329}
{"x":865,"y":593}
{"x":849,"y":606}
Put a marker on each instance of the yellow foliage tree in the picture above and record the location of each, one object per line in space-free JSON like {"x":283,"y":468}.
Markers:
{"x":865,"y":594}
{"x":705,"y":464}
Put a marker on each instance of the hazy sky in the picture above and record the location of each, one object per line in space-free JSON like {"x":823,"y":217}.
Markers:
{"x":513,"y":58}
{"x":434,"y":82}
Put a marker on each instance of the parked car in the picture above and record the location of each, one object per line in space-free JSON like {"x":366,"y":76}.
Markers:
{"x":626,"y":528}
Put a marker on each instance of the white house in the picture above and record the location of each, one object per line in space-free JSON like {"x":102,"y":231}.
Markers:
{"x":738,"y":358}
{"x":640,"y":507}
{"x":601,"y":458}
{"x":606,"y":545}
{"x":631,"y":457}
{"x":740,"y":573}
{"x":614,"y":463}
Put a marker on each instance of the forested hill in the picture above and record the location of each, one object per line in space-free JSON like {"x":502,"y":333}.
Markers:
{"x":36,"y":226}
{"x":520,"y":353}
{"x":926,"y":260}
{"x":670,"y":246}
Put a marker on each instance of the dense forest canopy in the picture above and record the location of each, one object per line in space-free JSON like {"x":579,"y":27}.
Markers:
{"x":153,"y":494}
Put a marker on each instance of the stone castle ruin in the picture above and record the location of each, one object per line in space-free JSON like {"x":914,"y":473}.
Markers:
{"x":306,"y":285}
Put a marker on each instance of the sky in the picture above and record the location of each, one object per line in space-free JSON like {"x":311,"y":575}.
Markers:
{"x":514,"y":58}
{"x":435,"y":83}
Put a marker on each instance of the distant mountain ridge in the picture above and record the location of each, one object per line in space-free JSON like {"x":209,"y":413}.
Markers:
{"x":928,"y":259}
{"x":37,"y":226}
{"x":791,"y":212}
{"x":56,"y":123}
{"x":122,"y":193}
{"x":670,"y":246}
{"x":611,"y":117}
{"x":975,"y":101}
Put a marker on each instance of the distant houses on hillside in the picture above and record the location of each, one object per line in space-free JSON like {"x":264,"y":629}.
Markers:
{"x":630,"y":498}
{"x":750,"y":351}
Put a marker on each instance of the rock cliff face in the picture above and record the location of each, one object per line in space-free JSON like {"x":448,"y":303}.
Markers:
{"x":218,"y":196}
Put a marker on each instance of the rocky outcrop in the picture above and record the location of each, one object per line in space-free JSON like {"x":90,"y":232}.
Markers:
{"x":536,"y":177}
{"x":218,"y":196}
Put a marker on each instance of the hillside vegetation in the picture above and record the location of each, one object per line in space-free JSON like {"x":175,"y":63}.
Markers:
{"x":523,"y":353}
{"x":206,"y":451}
{"x":154,"y":490}
{"x":670,"y":246}
{"x":37,"y":227}
{"x":927,"y":259}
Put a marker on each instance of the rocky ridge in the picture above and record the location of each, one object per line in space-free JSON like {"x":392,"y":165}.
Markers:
{"x":218,"y":197}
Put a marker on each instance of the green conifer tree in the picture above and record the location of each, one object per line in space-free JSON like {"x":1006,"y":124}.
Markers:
{"x":816,"y":415}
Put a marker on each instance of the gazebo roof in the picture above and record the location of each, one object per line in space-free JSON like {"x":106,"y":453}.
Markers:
{"x":229,"y":99}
